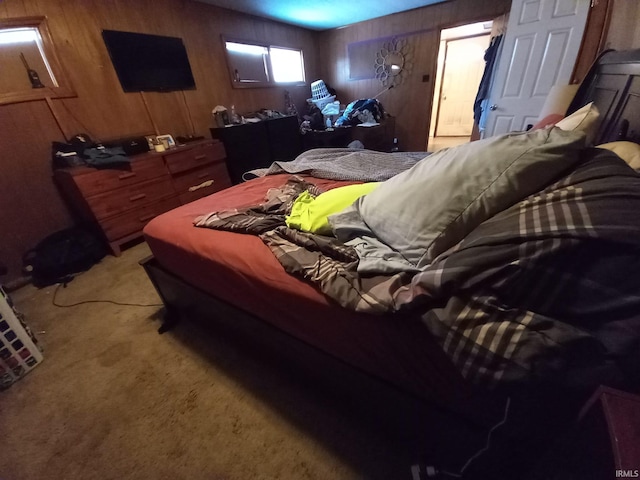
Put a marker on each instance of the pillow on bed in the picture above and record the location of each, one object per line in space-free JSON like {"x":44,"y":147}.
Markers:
{"x":310,"y":214}
{"x":627,"y":151}
{"x":549,"y":120}
{"x":429,"y":208}
{"x":586,"y":120}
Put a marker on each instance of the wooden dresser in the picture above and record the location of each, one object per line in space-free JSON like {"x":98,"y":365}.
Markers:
{"x":120,"y":201}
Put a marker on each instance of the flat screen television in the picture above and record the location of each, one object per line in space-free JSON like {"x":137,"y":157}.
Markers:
{"x":149,"y":63}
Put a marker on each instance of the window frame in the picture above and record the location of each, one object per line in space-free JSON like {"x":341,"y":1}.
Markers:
{"x":64,"y":88}
{"x":270,"y":82}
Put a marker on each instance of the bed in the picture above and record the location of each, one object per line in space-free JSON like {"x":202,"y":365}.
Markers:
{"x":523,"y":291}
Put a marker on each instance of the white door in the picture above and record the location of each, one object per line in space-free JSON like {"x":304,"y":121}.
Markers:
{"x":540,"y":49}
{"x":463,"y":68}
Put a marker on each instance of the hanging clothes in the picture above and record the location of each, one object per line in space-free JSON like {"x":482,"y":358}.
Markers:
{"x":490,"y":58}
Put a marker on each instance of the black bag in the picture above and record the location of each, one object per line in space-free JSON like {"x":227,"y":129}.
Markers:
{"x":62,"y":254}
{"x":64,"y":155}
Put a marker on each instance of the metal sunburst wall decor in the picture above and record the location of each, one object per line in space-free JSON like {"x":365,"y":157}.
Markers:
{"x":393,"y":62}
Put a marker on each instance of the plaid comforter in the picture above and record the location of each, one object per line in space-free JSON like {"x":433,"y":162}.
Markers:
{"x":546,"y":290}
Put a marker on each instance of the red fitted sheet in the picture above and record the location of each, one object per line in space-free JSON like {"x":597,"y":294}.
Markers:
{"x":242,"y":271}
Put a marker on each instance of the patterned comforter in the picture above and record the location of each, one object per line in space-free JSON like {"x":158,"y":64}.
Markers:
{"x":547,"y":290}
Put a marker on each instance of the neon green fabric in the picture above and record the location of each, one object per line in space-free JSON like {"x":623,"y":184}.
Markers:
{"x":310,"y":214}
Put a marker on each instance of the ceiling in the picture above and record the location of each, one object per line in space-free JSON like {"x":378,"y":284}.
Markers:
{"x":321,"y":14}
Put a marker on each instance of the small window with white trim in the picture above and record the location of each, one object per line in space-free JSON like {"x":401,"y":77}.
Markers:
{"x":258,"y":65}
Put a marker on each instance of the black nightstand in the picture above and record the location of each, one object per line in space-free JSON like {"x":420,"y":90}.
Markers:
{"x":258,"y":145}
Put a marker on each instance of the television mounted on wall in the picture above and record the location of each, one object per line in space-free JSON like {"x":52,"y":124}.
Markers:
{"x":149,"y":63}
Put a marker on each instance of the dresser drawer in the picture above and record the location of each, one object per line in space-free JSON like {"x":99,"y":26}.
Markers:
{"x":135,"y":220}
{"x":99,"y":181}
{"x":130,"y":197}
{"x":195,"y":157}
{"x":188,"y":197}
{"x":213,"y":175}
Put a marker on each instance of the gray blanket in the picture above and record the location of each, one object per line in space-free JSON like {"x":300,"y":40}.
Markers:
{"x":345,"y":164}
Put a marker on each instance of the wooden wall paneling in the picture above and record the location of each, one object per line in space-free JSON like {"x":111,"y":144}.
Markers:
{"x":14,"y":9}
{"x":636,"y":38}
{"x":168,"y":111}
{"x":417,"y":95}
{"x":101,"y":104}
{"x":213,"y":73}
{"x":593,"y":40}
{"x":209,"y":68}
{"x":623,"y":32}
{"x":31,"y":208}
{"x":71,"y":110}
{"x":34,"y":7}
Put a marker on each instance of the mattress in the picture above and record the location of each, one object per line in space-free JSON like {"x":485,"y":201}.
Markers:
{"x":240,"y":270}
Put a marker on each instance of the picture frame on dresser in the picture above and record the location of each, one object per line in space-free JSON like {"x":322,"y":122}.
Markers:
{"x":166,"y":140}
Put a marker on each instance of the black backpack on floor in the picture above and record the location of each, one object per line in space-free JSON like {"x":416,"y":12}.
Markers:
{"x":62,"y":254}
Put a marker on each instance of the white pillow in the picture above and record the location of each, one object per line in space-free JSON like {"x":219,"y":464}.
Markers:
{"x":627,"y":151}
{"x":432,"y":206}
{"x":587,"y":120}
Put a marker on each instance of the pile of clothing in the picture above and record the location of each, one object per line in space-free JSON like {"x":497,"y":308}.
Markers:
{"x":366,"y":110}
{"x":81,"y":150}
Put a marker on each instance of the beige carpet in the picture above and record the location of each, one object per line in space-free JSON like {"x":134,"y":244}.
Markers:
{"x":113,"y":399}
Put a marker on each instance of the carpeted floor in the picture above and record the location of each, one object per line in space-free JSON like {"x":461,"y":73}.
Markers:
{"x":115,"y":400}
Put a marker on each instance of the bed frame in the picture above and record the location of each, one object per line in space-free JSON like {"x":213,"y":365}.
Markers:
{"x":613,"y":83}
{"x":405,"y":413}
{"x":185,"y":301}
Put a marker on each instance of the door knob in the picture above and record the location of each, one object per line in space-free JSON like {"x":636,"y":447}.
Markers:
{"x":493,"y":107}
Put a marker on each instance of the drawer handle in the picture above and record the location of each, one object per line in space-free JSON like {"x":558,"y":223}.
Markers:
{"x":146,"y":218}
{"x":206,"y":184}
{"x":200,"y":157}
{"x":140,"y":196}
{"x":124,"y":176}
